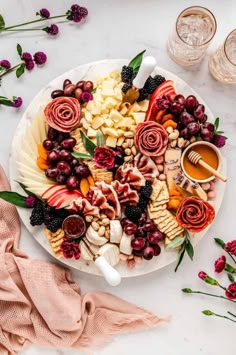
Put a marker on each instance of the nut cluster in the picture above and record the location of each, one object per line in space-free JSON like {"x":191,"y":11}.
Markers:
{"x":100,"y":224}
{"x":176,"y":141}
{"x":129,"y":147}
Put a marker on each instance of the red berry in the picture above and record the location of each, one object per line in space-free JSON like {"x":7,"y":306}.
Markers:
{"x":48,"y":144}
{"x":148,"y":253}
{"x":65,"y":155}
{"x":53,"y":157}
{"x":149,"y":227}
{"x":68,"y":143}
{"x":72,"y":183}
{"x":157,"y":249}
{"x":130,"y":229}
{"x":138,"y":243}
{"x":190,"y":102}
{"x":64,"y":168}
{"x":155,"y":237}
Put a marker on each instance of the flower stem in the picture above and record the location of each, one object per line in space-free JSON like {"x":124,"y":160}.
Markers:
{"x":28,"y":23}
{"x":231,"y":257}
{"x":24,"y":29}
{"x":10,"y":70}
{"x":225,"y":317}
{"x":213,"y":295}
{"x":234,"y":315}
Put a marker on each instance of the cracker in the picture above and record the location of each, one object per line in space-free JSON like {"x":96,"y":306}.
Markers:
{"x":55,"y":240}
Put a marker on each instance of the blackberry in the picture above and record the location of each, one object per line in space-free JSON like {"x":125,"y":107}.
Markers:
{"x":143,"y":94}
{"x":54,"y":224}
{"x":37,"y":215}
{"x":126,"y":74}
{"x":126,"y":87}
{"x":146,"y":191}
{"x":159,"y":80}
{"x":142,"y":204}
{"x":150,"y":85}
{"x":133,"y":213}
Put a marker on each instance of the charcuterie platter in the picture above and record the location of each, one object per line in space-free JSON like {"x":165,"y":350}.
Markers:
{"x":103,"y":158}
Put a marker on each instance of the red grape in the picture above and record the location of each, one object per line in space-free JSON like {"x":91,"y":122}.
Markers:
{"x":125,"y":221}
{"x":81,"y":171}
{"x":72,"y":183}
{"x":193,"y":128}
{"x":51,"y":173}
{"x":190,"y":102}
{"x":68,"y":143}
{"x":142,"y":219}
{"x":48,"y":144}
{"x":88,"y":86}
{"x":148,"y":253}
{"x":198,"y":112}
{"x":65,"y":155}
{"x":61,"y":136}
{"x":203,"y":119}
{"x":52,"y":133}
{"x":80,"y":84}
{"x":137,"y":252}
{"x":66,"y":82}
{"x":176,"y":107}
{"x":61,"y":179}
{"x":140,"y":233}
{"x":78,"y":93}
{"x":209,"y":126}
{"x":157,"y":249}
{"x":74,"y":163}
{"x":185,"y":134}
{"x":53,"y":157}
{"x":180,"y":99}
{"x":206,"y":134}
{"x":149,"y":227}
{"x":186,"y":118}
{"x":155,"y":237}
{"x":138,"y":243}
{"x":64,"y":168}
{"x":130,"y":229}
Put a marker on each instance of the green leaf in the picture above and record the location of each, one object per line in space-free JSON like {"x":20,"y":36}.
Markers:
{"x":220,"y":242}
{"x":175,"y":243}
{"x":231,"y":278}
{"x":181,"y":255}
{"x":136,"y":61}
{"x":79,"y":155}
{"x":5,"y":101}
{"x":19,"y":49}
{"x":230,"y":268}
{"x":100,"y":138}
{"x":2,"y":22}
{"x":94,"y":90}
{"x":187,"y":290}
{"x":20,"y":70}
{"x":208,"y":313}
{"x":88,"y":144}
{"x":219,"y":132}
{"x":189,"y":249}
{"x":24,"y":187}
{"x":216,"y":123}
{"x":14,"y":198}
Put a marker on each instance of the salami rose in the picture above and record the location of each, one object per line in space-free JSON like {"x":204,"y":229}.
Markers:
{"x":195,"y":214}
{"x":151,"y":138}
{"x":62,"y":113}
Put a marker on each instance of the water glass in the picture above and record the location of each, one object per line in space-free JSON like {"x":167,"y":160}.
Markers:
{"x":222,"y":64}
{"x":195,"y":27}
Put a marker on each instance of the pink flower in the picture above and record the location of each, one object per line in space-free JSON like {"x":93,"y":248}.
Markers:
{"x":17,"y":102}
{"x":230,"y":247}
{"x":70,"y":249}
{"x":202,"y":275}
{"x":40,"y":58}
{"x":231,"y":291}
{"x":104,"y":157}
{"x":220,"y":264}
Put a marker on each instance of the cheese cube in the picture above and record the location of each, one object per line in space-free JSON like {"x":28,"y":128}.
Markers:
{"x":107,"y":87}
{"x":120,"y":141}
{"x":115,"y":116}
{"x":110,"y":132}
{"x":84,"y":123}
{"x":120,"y":132}
{"x":111,"y":142}
{"x":91,"y":133}
{"x":88,"y":116}
{"x":97,"y":122}
{"x":125,"y":122}
{"x":108,"y":122}
{"x":144,"y":105}
{"x":108,"y":104}
{"x":138,"y":117}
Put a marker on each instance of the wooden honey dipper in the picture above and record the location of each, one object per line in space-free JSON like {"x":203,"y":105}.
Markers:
{"x":196,"y":158}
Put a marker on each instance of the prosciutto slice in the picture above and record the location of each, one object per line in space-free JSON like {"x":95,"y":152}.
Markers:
{"x":98,"y":199}
{"x":151,"y":138}
{"x":83,"y":206}
{"x":111,"y":196}
{"x":195,"y":214}
{"x":126,"y":195}
{"x":131,"y":175}
{"x":62,"y":113}
{"x":146,"y":166}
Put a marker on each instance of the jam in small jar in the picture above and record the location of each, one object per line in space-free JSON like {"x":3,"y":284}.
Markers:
{"x":74,"y":227}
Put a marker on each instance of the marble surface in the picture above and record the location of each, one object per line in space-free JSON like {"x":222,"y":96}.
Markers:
{"x":120,"y":29}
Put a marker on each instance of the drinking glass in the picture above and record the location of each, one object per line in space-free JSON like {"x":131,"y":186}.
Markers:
{"x":195,"y":27}
{"x":222,"y":64}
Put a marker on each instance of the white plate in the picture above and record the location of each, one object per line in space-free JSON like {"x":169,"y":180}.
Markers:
{"x":90,"y":72}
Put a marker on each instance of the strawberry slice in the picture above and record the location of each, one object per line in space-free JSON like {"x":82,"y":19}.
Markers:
{"x":166,"y":89}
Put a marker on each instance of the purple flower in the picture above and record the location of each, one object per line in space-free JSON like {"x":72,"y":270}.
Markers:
{"x":52,"y":30}
{"x":29,"y":65}
{"x":219,"y":140}
{"x":17,"y":103}
{"x":76,"y":17}
{"x":26,"y":57}
{"x":44,"y":13}
{"x":40,"y":58}
{"x":83,"y":11}
{"x":30,"y":201}
{"x":86,"y":96}
{"x":5,"y":64}
{"x":75,"y":7}
{"x":230,"y":247}
{"x":220,"y":264}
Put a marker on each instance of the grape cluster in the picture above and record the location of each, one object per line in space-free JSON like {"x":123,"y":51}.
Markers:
{"x":82,"y":90}
{"x":146,"y":236}
{"x":191,"y":117}
{"x":63,"y":167}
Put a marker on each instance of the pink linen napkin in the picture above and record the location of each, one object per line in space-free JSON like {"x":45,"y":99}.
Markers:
{"x":40,"y":303}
